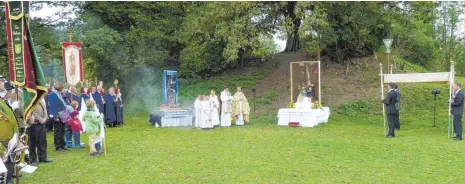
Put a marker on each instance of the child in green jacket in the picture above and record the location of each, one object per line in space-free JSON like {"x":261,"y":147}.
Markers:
{"x":92,"y":121}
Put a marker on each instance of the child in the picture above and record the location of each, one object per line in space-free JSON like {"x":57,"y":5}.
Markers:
{"x":69,"y":136}
{"x":92,"y":122}
{"x":76,"y":129}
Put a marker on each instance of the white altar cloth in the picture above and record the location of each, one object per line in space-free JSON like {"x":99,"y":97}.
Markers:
{"x":305,"y":117}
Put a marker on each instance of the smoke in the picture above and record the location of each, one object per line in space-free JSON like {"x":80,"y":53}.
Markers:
{"x":143,"y":88}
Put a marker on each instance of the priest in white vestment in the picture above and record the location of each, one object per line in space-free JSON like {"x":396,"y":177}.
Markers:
{"x":226,"y":107}
{"x":215,"y":105}
{"x":198,"y":111}
{"x":206,"y":114}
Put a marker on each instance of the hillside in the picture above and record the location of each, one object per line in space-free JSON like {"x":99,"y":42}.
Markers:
{"x":361,"y":83}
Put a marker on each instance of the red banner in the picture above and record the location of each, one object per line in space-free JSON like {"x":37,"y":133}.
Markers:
{"x":72,"y":60}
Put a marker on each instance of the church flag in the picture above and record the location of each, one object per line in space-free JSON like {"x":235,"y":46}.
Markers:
{"x":25,"y":68}
{"x":72,"y":59}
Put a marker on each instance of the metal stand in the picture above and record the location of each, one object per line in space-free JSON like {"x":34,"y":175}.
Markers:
{"x":434,"y":123}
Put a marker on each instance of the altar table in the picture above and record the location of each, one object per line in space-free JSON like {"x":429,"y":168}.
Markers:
{"x":305,"y":117}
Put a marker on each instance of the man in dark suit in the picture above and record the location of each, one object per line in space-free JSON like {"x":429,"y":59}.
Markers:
{"x":397,"y":123}
{"x":390,"y":102}
{"x":457,"y":110}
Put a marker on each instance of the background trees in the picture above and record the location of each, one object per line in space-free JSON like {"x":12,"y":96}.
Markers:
{"x":200,"y":39}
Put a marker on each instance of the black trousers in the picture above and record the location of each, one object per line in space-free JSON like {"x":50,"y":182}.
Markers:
{"x":397,"y":122}
{"x":458,"y":125}
{"x":392,"y":123}
{"x":59,"y":135}
{"x":37,"y":142}
{"x":10,"y":167}
{"x":49,"y":125}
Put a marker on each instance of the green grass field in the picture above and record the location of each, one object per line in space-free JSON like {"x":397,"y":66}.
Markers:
{"x":346,"y":150}
{"x":351,"y":148}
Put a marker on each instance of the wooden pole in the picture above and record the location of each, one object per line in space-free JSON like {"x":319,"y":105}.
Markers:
{"x":449,"y":129}
{"x":382,"y":97}
{"x":292,"y":85}
{"x":319,"y":81}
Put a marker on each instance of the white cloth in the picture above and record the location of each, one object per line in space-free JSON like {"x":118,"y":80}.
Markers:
{"x":226,"y":100}
{"x":215,"y":104}
{"x":82,"y":112}
{"x":206,"y":112}
{"x":3,"y":93}
{"x":305,"y":117}
{"x":198,"y":112}
{"x":417,"y":77}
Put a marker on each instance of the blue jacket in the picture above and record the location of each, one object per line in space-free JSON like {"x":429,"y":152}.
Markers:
{"x":75,"y":98}
{"x":56,"y":105}
{"x":110,"y":111}
{"x":98,"y":101}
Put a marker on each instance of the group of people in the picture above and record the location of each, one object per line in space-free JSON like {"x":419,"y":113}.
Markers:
{"x":62,"y":111}
{"x":233,"y":109}
{"x":392,"y":102}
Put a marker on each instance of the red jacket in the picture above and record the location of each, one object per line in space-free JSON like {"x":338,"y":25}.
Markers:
{"x":75,"y":125}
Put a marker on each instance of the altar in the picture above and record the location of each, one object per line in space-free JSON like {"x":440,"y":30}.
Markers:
{"x":304,"y":117}
{"x":170,"y":113}
{"x":304,"y":109}
{"x":171,"y":118}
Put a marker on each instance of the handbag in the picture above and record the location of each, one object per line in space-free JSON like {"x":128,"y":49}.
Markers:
{"x":64,"y":116}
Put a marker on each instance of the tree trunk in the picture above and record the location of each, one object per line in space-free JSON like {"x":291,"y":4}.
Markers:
{"x":292,"y":43}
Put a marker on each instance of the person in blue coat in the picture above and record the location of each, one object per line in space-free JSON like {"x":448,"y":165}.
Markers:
{"x":98,"y":99}
{"x":110,"y":107}
{"x":84,"y":95}
{"x":72,"y":96}
{"x":57,"y":104}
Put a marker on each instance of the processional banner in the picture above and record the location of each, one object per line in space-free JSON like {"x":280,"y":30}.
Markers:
{"x":72,"y":60}
{"x":15,"y":20}
{"x":24,"y":65}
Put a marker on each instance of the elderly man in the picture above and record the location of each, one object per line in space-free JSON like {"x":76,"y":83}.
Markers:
{"x":110,"y":107}
{"x":37,"y":134}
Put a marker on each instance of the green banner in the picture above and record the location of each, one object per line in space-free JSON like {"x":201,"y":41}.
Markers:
{"x":15,"y":30}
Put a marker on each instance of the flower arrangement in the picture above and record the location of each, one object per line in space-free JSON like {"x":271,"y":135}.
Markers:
{"x":317,"y":105}
{"x":291,"y":105}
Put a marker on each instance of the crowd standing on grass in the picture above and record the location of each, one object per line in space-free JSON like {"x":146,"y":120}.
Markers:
{"x":59,"y":112}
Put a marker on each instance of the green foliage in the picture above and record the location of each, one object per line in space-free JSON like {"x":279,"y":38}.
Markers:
{"x":269,"y":98}
{"x":408,"y":67}
{"x":355,"y":108}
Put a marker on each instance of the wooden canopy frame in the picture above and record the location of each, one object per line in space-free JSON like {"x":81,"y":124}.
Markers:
{"x":292,"y":76}
{"x":438,"y":77}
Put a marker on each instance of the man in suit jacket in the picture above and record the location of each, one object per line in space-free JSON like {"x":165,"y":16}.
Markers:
{"x":390,"y":102}
{"x":57,"y":104}
{"x":457,"y":110}
{"x":397,"y":123}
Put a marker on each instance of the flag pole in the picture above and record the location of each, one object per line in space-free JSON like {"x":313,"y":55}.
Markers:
{"x":382,"y":96}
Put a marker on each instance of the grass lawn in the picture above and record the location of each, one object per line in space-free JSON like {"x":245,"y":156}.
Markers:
{"x":346,"y":150}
